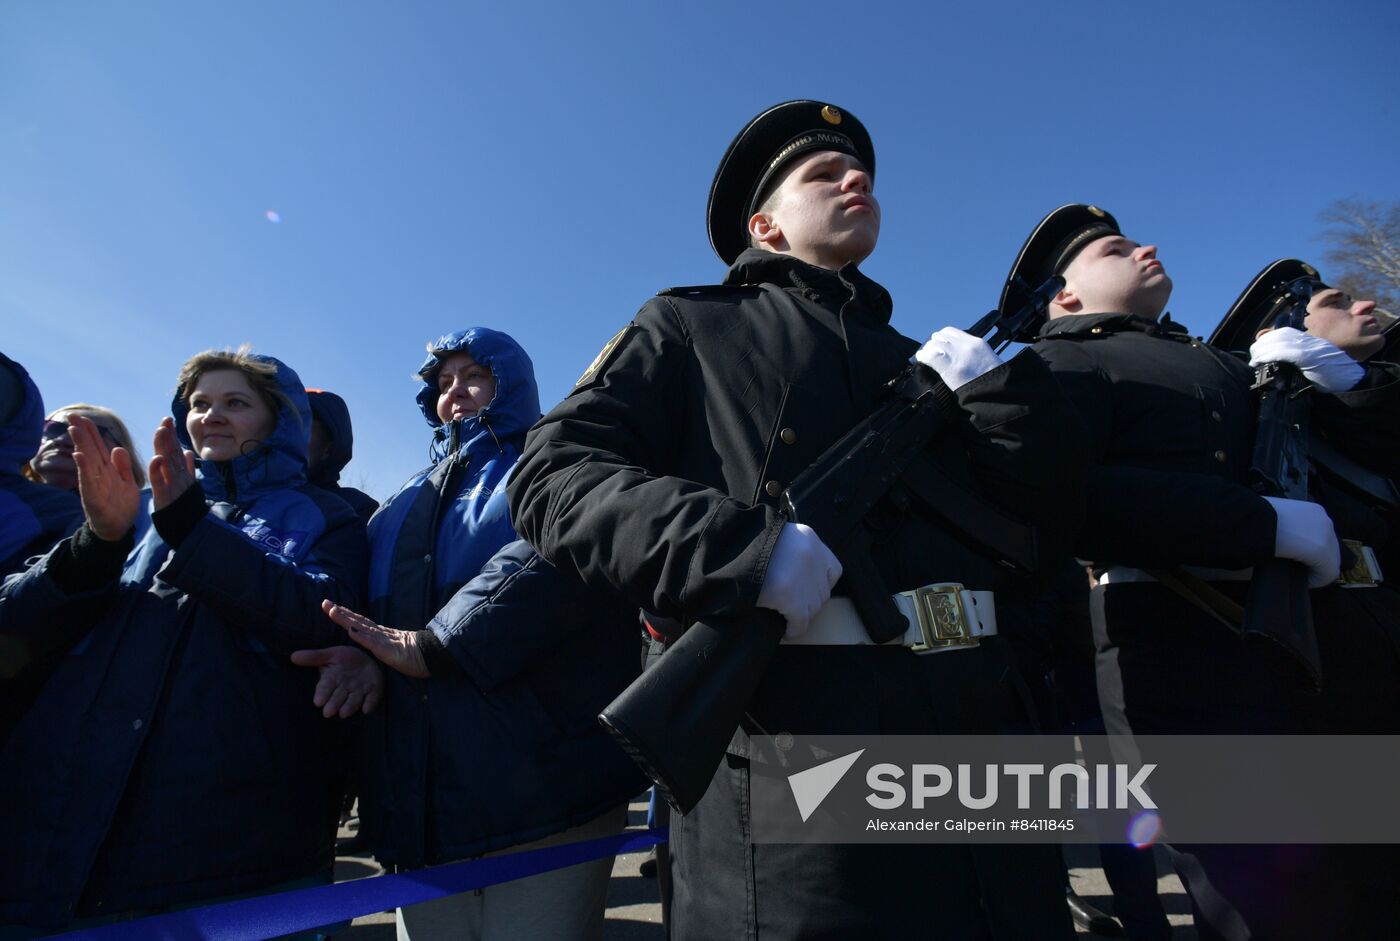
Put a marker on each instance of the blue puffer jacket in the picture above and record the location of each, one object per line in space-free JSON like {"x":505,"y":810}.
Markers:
{"x":461,"y":495}
{"x":514,"y":749}
{"x":33,"y":516}
{"x":175,"y":754}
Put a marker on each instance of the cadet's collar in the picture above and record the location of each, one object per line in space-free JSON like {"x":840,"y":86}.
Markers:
{"x":1076,"y":324}
{"x":828,"y":288}
{"x":1170,"y":326}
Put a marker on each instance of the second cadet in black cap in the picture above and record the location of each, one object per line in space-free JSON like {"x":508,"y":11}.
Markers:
{"x":1050,"y":248}
{"x":1171,"y":422}
{"x":662,"y":477}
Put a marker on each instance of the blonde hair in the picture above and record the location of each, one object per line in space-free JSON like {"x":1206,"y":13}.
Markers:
{"x":261,"y":375}
{"x":115,"y":425}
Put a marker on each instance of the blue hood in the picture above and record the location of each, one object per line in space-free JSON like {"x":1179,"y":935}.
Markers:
{"x":513,"y":410}
{"x":332,"y":412}
{"x":278,"y":463}
{"x":19,"y":435}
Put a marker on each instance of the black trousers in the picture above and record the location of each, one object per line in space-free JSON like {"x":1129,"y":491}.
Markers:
{"x":1166,"y":668}
{"x":728,"y":887}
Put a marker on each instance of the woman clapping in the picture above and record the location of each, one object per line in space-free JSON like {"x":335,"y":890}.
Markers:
{"x":174,"y":756}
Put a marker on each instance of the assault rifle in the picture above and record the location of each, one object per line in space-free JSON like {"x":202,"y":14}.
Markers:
{"x":1278,"y":607}
{"x":678,"y":717}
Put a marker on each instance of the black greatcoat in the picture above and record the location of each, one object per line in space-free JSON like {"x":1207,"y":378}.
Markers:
{"x":1359,"y":628}
{"x":1171,"y":427}
{"x":652,"y":479}
{"x":1350,"y":890}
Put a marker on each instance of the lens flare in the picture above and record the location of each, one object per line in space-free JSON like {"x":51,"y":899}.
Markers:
{"x":273,"y":216}
{"x":1144,"y":829}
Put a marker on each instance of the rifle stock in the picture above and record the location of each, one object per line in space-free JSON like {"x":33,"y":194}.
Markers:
{"x":677,"y":718}
{"x":1278,"y":609}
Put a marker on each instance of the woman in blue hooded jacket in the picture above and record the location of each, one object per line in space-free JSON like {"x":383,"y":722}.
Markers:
{"x":175,"y":756}
{"x":491,"y":741}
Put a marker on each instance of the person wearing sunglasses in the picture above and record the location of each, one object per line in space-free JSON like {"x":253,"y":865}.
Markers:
{"x":53,"y":464}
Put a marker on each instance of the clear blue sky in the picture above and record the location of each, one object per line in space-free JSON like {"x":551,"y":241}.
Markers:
{"x":543,"y":169}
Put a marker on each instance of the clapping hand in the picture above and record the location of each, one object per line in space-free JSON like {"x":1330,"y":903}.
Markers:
{"x":396,"y":649}
{"x":350,"y":681}
{"x":172,"y":468}
{"x":111,"y":499}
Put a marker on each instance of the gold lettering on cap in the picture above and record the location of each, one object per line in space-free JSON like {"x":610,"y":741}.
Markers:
{"x":1096,"y":211}
{"x":831,"y":115}
{"x":814,"y":138}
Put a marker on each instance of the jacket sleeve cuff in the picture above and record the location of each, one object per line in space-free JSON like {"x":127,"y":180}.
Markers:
{"x":439,"y":662}
{"x":175,"y":522}
{"x":88,"y":563}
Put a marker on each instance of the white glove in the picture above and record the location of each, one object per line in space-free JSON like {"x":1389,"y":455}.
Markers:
{"x":957,"y":357}
{"x":1323,"y":363}
{"x":1305,"y":534}
{"x":801,"y":574}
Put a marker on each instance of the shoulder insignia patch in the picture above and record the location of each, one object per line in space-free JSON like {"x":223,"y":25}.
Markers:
{"x":605,"y":355}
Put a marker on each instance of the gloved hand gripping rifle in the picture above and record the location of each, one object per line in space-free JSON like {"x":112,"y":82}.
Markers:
{"x":678,"y":717}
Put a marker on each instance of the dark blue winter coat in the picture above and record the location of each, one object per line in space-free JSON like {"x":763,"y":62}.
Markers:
{"x":175,"y":754}
{"x":33,"y":516}
{"x":332,"y":412}
{"x":510,"y":751}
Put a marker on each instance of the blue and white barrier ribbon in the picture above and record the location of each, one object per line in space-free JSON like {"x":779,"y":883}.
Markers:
{"x":268,"y":916}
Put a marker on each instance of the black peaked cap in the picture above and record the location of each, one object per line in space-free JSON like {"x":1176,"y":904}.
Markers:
{"x":1260,"y":301}
{"x":1052,"y":244}
{"x":763,"y":148}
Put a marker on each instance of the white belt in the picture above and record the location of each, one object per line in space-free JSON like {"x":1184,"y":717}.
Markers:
{"x":943,"y":616}
{"x":1365,"y":574}
{"x":1122,"y":574}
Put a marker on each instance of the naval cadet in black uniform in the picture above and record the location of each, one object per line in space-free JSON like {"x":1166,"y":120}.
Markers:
{"x":659,"y":477}
{"x":1354,"y":451}
{"x":1171,"y":424}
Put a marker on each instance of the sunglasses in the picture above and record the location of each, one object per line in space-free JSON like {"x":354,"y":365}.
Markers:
{"x":53,"y":430}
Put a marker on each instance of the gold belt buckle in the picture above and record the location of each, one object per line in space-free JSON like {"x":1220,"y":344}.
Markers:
{"x":943,"y":620}
{"x":1366,"y":573}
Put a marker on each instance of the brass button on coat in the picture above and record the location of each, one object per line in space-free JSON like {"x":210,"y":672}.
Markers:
{"x":774,"y":488}
{"x":1216,"y":416}
{"x":1220,"y":456}
{"x":1096,"y":329}
{"x":788,"y":436}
